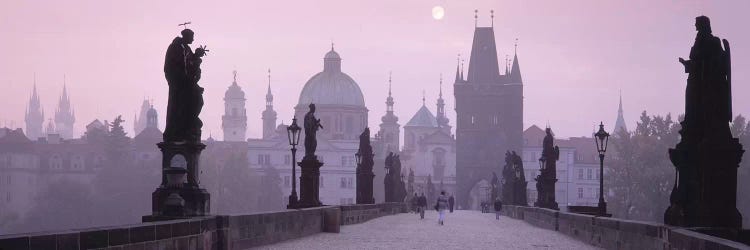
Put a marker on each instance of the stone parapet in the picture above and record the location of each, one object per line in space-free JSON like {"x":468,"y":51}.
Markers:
{"x":613,"y":233}
{"x":207,"y":233}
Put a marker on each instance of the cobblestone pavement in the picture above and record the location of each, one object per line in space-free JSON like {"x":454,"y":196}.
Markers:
{"x":462,"y":230}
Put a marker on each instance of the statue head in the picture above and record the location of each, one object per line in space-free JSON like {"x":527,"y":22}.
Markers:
{"x":312,"y":107}
{"x":703,"y":24}
{"x":187,"y":36}
{"x":548,"y":131}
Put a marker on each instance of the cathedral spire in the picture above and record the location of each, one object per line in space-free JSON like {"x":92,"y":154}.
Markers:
{"x":269,"y":95}
{"x":620,"y":123}
{"x":64,"y":116}
{"x":34,"y":116}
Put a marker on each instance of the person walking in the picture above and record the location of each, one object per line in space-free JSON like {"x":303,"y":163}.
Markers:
{"x":451,"y":202}
{"x":415,"y":203}
{"x":422,"y":205}
{"x":441,"y":206}
{"x":498,"y":208}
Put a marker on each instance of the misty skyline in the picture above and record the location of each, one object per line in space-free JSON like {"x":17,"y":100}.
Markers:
{"x":575,"y":56}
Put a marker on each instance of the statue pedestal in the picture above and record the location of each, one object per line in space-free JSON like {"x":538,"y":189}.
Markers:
{"x":179,"y":195}
{"x":546,"y":194}
{"x":309,"y":182}
{"x":706,"y":189}
{"x":364,"y":187}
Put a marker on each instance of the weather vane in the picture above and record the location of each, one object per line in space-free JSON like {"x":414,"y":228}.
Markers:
{"x":492,"y":17}
{"x":184,"y":25}
{"x":476,"y":16}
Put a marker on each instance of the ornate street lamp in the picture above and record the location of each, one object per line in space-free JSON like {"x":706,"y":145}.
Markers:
{"x":293,"y":132}
{"x":601,"y":138}
{"x":358,"y":157}
{"x":542,"y":160}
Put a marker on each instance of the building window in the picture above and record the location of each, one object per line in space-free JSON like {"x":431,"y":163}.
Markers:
{"x":287,"y":181}
{"x":342,"y":201}
{"x":588,"y":174}
{"x":264,"y":159}
{"x":350,"y":183}
{"x":580,"y":174}
{"x":351,"y":201}
{"x":580,"y":192}
{"x":349,"y":125}
{"x":494,"y":120}
{"x":472,"y":120}
{"x":343,"y":182}
{"x":7,"y":197}
{"x":287,"y":159}
{"x":343,"y":161}
{"x":321,"y":183}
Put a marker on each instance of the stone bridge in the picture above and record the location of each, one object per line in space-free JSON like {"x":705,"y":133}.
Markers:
{"x":383,"y":226}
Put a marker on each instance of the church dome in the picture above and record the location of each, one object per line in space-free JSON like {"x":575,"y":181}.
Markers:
{"x":234,"y":92}
{"x":331,"y":87}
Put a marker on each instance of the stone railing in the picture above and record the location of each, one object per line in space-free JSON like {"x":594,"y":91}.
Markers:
{"x":206,"y":233}
{"x":612,"y":233}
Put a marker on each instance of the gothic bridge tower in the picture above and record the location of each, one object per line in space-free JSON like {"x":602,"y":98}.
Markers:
{"x":489,"y":110}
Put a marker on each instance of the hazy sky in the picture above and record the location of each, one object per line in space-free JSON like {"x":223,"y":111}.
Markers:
{"x":575,"y":55}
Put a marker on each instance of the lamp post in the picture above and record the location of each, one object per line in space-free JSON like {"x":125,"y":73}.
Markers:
{"x":293,"y":132}
{"x":601,"y":138}
{"x":542,"y":160}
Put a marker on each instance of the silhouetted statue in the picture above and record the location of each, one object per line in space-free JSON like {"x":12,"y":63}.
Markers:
{"x":364,"y":169}
{"x":520,"y":181}
{"x":708,"y":98}
{"x":182,"y":71}
{"x":509,"y":180}
{"x":707,"y":157}
{"x":312,"y":125}
{"x":388,"y":179}
{"x":545,"y":181}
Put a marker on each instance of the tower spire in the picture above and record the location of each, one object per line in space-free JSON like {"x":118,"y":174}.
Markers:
{"x":458,"y":62}
{"x":492,"y":17}
{"x":234,"y":72}
{"x":462,"y":70}
{"x":441,"y":86}
{"x":423,"y":98}
{"x":620,"y":123}
{"x":515,"y":70}
{"x":476,"y":17}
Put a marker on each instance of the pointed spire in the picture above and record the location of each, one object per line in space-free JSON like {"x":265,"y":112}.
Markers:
{"x":462,"y":70}
{"x":389,"y":83}
{"x":389,"y":99}
{"x":620,"y":122}
{"x":269,"y":95}
{"x":507,"y":71}
{"x":492,"y":17}
{"x":458,"y":62}
{"x":476,"y":16}
{"x":234,"y":82}
{"x":423,"y":98}
{"x":515,"y":71}
{"x":441,"y":86}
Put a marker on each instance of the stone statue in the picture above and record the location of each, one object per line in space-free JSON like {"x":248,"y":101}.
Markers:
{"x":312,"y":125}
{"x":707,"y":157}
{"x":364,"y":169}
{"x":708,"y":101}
{"x":545,"y":181}
{"x":182,"y":71}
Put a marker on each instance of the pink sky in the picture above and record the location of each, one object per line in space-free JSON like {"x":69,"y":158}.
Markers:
{"x":575,"y":55}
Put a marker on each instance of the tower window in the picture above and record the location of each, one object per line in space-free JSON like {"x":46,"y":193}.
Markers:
{"x":472,"y":120}
{"x":234,"y":111}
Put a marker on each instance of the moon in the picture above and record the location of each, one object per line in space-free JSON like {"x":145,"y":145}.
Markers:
{"x":438,"y":12}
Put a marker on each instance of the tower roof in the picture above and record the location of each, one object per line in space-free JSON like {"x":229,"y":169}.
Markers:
{"x":423,"y":118}
{"x":483,"y":65}
{"x":234,"y":91}
{"x":515,"y":71}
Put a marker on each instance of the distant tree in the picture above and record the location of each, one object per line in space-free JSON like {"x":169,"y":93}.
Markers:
{"x":271,"y":199}
{"x":640,"y":176}
{"x":236,"y":188}
{"x":122,"y":189}
{"x":63,"y":204}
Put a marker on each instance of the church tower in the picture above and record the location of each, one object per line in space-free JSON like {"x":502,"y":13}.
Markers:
{"x":64,"y":116}
{"x":489,"y":115}
{"x":269,"y":115}
{"x":139,"y":122}
{"x":620,"y":123}
{"x":34,"y":116}
{"x":152,"y":118}
{"x":442,"y":119}
{"x":234,"y":120}
{"x":389,"y":127}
